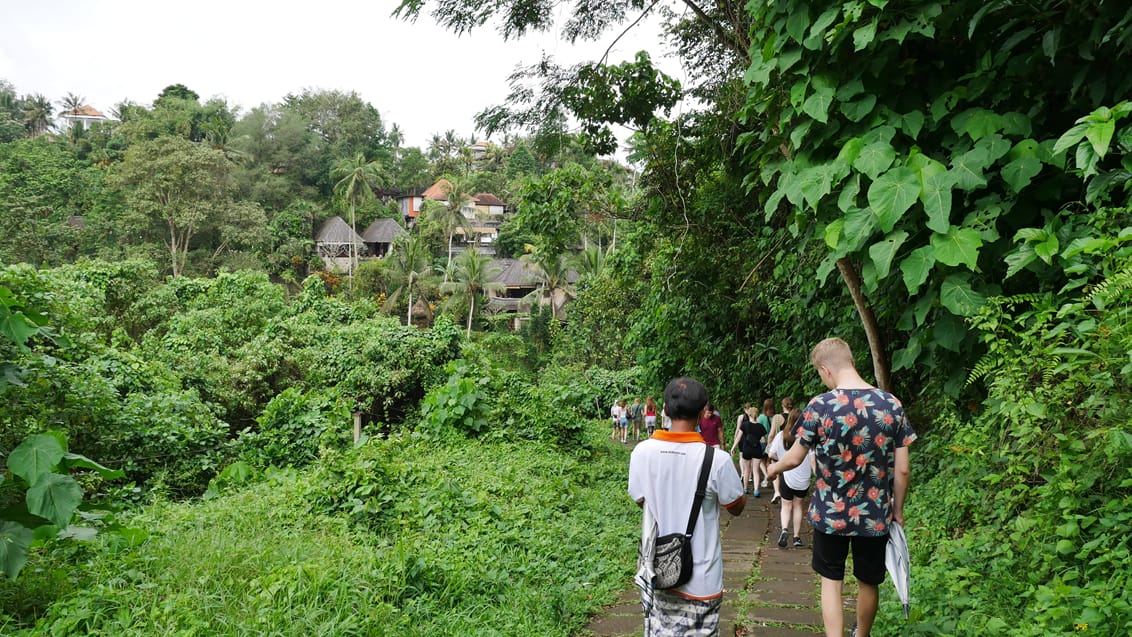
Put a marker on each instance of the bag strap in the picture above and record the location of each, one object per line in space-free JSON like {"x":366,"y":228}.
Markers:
{"x":701,"y":489}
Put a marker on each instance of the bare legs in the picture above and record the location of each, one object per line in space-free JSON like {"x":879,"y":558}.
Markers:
{"x":868,"y":597}
{"x":746,"y":468}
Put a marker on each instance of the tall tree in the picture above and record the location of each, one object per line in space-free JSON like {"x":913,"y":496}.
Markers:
{"x":552,"y":283}
{"x":452,"y":213}
{"x":410,"y":268}
{"x":472,"y":277}
{"x":356,"y":179}
{"x":71,"y":102}
{"x":37,"y":112}
{"x":183,"y":186}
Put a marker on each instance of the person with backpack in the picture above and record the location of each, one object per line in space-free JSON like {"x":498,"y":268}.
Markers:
{"x":636,"y":417}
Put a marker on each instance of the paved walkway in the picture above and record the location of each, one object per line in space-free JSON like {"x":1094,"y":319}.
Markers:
{"x":768,"y":591}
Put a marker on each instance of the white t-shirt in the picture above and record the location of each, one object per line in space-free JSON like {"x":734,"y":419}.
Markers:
{"x":663,"y":471}
{"x":797,"y":478}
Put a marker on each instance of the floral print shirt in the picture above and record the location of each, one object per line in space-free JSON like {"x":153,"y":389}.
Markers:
{"x":854,"y":434}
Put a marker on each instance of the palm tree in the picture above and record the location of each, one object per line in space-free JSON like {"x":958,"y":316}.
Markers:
{"x":37,"y":112}
{"x":591,"y":261}
{"x":71,"y":102}
{"x":410,"y":267}
{"x":452,"y":213}
{"x":472,"y":277}
{"x":553,"y":282}
{"x":356,"y":180}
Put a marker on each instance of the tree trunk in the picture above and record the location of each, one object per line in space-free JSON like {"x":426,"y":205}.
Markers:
{"x":869,"y":321}
{"x":449,"y":267}
{"x":471,"y":309}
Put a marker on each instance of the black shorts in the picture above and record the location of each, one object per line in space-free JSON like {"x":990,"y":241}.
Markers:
{"x":830,"y":552}
{"x":789,"y":493}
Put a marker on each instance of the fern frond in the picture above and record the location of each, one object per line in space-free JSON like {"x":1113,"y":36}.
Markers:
{"x":990,"y":362}
{"x":1112,"y":285}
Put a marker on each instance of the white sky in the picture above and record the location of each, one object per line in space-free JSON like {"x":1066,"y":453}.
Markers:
{"x":417,"y":75}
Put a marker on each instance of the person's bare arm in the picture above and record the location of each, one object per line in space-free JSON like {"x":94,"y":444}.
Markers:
{"x":901,"y":479}
{"x":792,"y":459}
{"x":738,"y":436}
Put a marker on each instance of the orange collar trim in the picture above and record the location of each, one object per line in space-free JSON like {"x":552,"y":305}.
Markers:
{"x":678,"y":436}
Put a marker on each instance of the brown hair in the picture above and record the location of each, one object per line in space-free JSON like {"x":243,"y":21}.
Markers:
{"x":768,"y":407}
{"x":788,"y":430}
{"x":787,"y":404}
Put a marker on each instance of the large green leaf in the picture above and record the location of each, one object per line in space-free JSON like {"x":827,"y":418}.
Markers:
{"x":858,"y":109}
{"x":949,"y":331}
{"x":864,"y":36}
{"x":977,"y":123}
{"x":911,"y":123}
{"x":916,"y":267}
{"x":875,"y":158}
{"x":957,"y":295}
{"x":55,"y":497}
{"x":1020,"y":172}
{"x":851,"y":149}
{"x":79,"y":461}
{"x":936,"y":197}
{"x":882,"y":252}
{"x":958,"y":245}
{"x":906,"y":357}
{"x":817,"y":182}
{"x":35,"y":457}
{"x":847,"y":200}
{"x":892,"y":194}
{"x":16,"y":327}
{"x":832,"y":234}
{"x":14,"y":542}
{"x":859,"y":226}
{"x":968,"y":168}
{"x":1099,"y":135}
{"x":817,"y":104}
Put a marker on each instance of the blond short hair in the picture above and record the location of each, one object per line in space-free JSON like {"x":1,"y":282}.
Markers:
{"x":834,"y":353}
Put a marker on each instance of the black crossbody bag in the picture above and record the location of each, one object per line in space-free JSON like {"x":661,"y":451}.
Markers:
{"x":672,"y":562}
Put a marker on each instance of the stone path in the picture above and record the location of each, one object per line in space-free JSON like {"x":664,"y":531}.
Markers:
{"x":768,"y":591}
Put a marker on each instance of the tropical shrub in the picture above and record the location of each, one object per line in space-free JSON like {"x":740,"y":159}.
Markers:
{"x":38,"y":497}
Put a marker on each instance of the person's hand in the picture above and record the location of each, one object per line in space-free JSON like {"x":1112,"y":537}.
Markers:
{"x":771,"y":472}
{"x":898,"y":516}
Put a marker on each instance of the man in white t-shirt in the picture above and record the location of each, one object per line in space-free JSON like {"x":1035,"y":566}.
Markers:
{"x":663,"y":475}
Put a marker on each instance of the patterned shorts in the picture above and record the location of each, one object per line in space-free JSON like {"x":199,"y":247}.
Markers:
{"x":674,"y":616}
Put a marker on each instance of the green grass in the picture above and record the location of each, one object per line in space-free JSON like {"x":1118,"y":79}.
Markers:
{"x":468,"y":538}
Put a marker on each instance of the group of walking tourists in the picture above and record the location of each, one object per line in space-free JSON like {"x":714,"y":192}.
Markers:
{"x":850,"y":442}
{"x":627,"y":419}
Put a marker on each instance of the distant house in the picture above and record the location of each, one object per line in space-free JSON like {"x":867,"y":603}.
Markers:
{"x":519,"y":279}
{"x":333,"y":241}
{"x":84,"y":115}
{"x":489,"y":205}
{"x":379,"y":236}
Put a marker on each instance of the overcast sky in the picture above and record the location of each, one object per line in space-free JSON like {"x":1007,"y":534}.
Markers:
{"x":250,"y":52}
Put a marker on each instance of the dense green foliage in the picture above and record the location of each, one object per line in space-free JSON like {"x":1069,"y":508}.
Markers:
{"x":397,"y":537}
{"x":963,"y":166}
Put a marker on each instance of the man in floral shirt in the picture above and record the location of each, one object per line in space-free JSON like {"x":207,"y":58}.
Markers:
{"x":860,"y":437}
